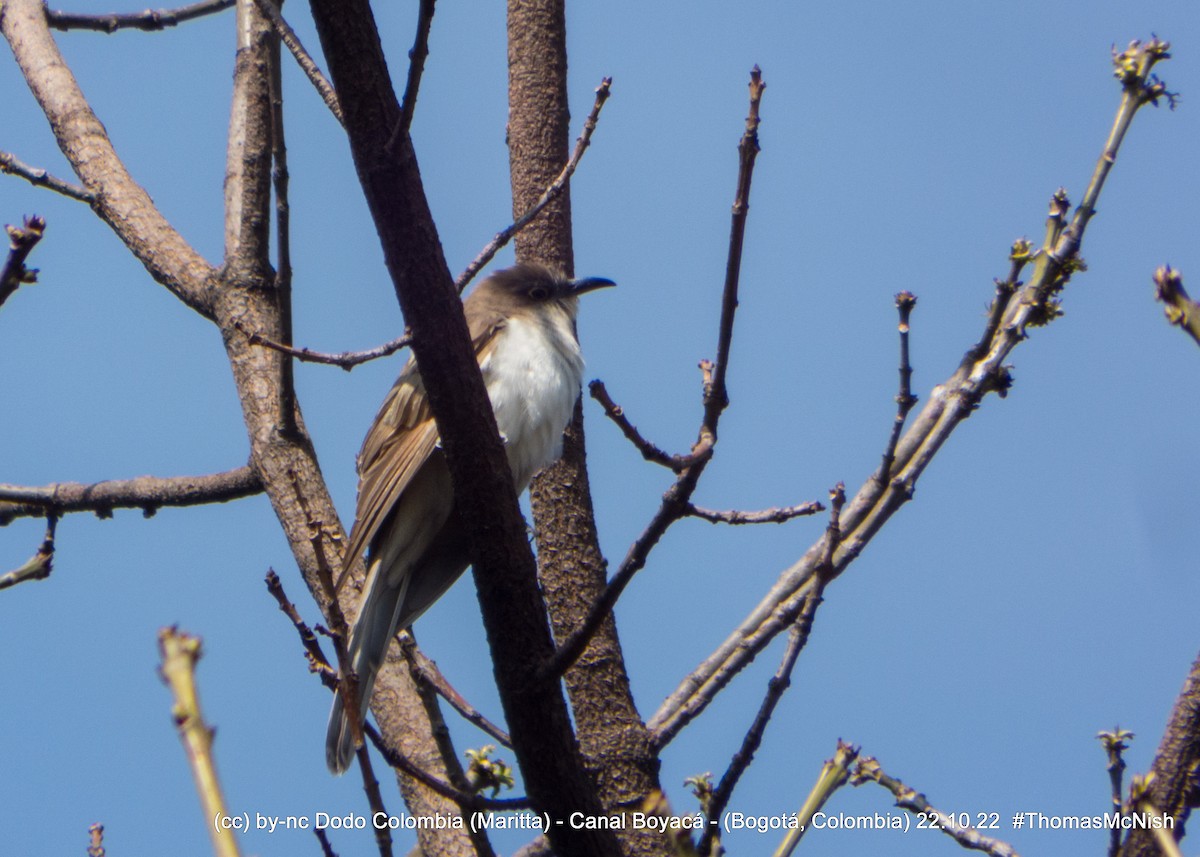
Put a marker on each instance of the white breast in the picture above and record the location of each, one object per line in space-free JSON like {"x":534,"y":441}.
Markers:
{"x":533,"y":379}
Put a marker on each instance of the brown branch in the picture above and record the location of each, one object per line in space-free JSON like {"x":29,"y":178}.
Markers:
{"x":346,"y":359}
{"x":1179,"y":308}
{"x":869,"y":770}
{"x":21,"y":242}
{"x":119,"y":200}
{"x":416,"y":66}
{"x":383,"y":837}
{"x":39,"y":566}
{"x":38,"y":177}
{"x":616,"y":413}
{"x":551,"y":193}
{"x":280,"y":180}
{"x":317,"y":662}
{"x":776,"y":687}
{"x":981,"y":371}
{"x":311,"y":70}
{"x":503,"y":565}
{"x":777,"y":515}
{"x":476,"y":803}
{"x":148,"y":20}
{"x":1175,"y":779}
{"x":147,"y":493}
{"x":675,"y":501}
{"x":427,"y":672}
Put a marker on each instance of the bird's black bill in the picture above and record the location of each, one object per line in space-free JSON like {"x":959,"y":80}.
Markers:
{"x":590,"y":284}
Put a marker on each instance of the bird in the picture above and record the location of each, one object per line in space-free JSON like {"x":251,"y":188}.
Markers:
{"x":522,"y":326}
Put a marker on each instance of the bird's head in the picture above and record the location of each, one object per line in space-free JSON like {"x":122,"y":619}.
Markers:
{"x":533,"y":288}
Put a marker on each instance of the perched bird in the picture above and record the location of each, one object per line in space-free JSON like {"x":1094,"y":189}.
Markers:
{"x":522,"y":326}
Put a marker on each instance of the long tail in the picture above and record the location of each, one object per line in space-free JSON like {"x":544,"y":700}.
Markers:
{"x":368,"y":647}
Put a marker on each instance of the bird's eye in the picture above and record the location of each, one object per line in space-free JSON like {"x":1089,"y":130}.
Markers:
{"x":539,"y":293}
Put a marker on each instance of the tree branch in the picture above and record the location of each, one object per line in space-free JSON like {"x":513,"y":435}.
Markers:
{"x":485,"y":499}
{"x":553,"y":192}
{"x":981,"y":371}
{"x":416,"y":65}
{"x":148,"y":20}
{"x":180,"y":652}
{"x":1179,"y":308}
{"x":1175,"y":786}
{"x":311,"y":70}
{"x":346,"y":359}
{"x":148,"y":493}
{"x":777,"y":515}
{"x":21,"y":242}
{"x":39,"y":566}
{"x":38,"y":177}
{"x":776,"y":687}
{"x":676,"y":499}
{"x":118,"y":199}
{"x":869,"y":770}
{"x":427,"y":671}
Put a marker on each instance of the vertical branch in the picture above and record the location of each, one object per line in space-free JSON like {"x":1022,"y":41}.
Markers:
{"x":180,"y":653}
{"x":716,"y":397}
{"x":248,"y":157}
{"x":503,"y":568}
{"x":571,"y":567}
{"x":283,"y":240}
{"x":416,"y":66}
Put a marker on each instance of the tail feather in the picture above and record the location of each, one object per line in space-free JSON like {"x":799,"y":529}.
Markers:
{"x":368,"y":646}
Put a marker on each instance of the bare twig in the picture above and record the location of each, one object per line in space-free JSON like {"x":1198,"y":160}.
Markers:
{"x":777,"y":515}
{"x":148,"y":20}
{"x":180,"y":652}
{"x":37,"y":176}
{"x":834,"y":774}
{"x":776,"y":687}
{"x":346,"y":359}
{"x":463,"y":799}
{"x":416,"y":65}
{"x":148,"y":493}
{"x":1115,"y":744}
{"x":677,"y":498}
{"x":552,"y":193}
{"x":383,"y":837}
{"x":905,"y":301}
{"x":96,"y":841}
{"x":981,"y":371}
{"x":1179,"y":308}
{"x":317,"y":662}
{"x":21,"y":242}
{"x":869,"y":770}
{"x":326,"y":845}
{"x":311,"y":70}
{"x":616,"y":413}
{"x":425,"y":670}
{"x":40,"y":564}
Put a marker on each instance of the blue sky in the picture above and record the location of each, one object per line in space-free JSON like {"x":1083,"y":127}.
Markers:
{"x":1041,"y":586}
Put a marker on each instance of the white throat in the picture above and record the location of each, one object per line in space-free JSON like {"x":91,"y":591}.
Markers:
{"x":533,"y":377}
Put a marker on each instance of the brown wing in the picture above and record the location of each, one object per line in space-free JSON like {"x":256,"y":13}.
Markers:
{"x":399,"y":442}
